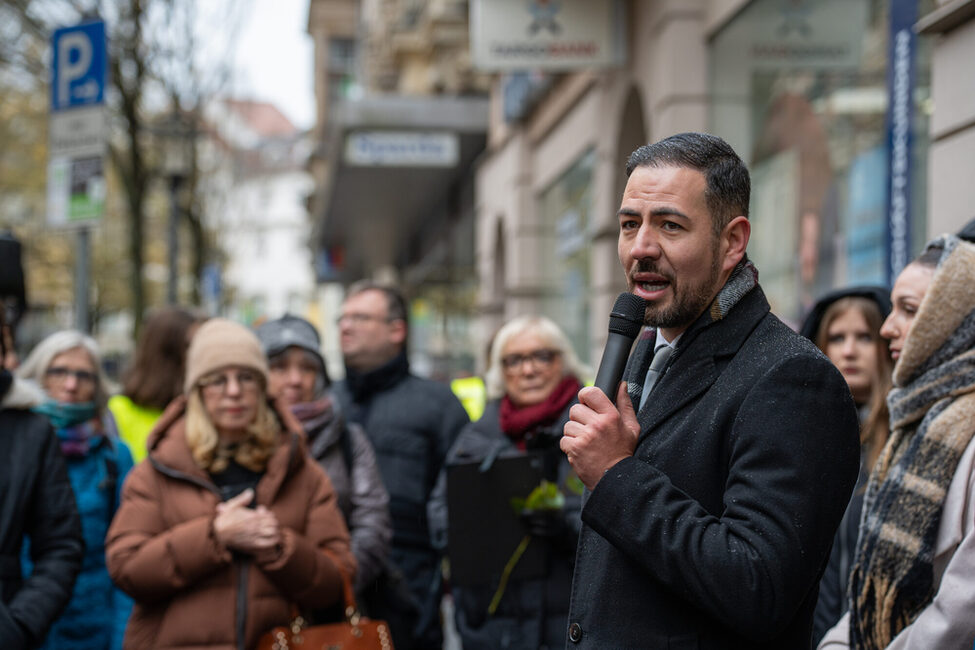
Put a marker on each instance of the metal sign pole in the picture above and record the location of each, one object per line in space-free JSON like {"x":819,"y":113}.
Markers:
{"x":77,"y":131}
{"x":171,"y":287}
{"x":81,"y":276}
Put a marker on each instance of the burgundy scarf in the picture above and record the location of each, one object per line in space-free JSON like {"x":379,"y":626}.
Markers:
{"x":516,"y":422}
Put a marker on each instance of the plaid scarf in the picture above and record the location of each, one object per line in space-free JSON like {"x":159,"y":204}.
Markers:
{"x":743,"y":278}
{"x":932,"y":416}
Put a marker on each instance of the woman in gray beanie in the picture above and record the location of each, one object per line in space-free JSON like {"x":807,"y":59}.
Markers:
{"x":298,"y":378}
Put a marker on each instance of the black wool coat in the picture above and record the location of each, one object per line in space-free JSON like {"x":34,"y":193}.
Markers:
{"x":36,"y":499}
{"x":716,"y":532}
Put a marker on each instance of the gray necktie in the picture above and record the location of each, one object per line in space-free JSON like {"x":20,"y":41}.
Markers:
{"x":660,"y":358}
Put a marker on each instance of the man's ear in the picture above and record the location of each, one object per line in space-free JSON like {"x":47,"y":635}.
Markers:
{"x":397,"y":331}
{"x":734,"y":241}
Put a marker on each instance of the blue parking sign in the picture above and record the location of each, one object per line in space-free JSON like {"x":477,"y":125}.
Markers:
{"x":79,"y":61}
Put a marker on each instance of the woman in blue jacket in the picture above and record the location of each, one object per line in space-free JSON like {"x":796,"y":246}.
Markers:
{"x":67,"y":366}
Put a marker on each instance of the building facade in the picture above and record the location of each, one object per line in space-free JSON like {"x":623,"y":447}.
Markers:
{"x":401,"y":118}
{"x":257,"y":189}
{"x":799,"y":88}
{"x":521,"y":217}
{"x":950,"y":25}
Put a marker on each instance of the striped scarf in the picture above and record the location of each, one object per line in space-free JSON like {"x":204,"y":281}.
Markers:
{"x":932,"y":417}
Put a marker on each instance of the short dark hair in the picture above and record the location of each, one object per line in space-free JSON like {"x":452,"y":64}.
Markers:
{"x":728,"y":183}
{"x":395,"y":302}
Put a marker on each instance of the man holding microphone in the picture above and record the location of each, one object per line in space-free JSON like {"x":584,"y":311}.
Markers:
{"x":713,"y":501}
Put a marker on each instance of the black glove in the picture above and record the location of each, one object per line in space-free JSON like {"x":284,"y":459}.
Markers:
{"x":544,"y":523}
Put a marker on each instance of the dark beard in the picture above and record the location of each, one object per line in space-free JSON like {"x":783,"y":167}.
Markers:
{"x":688,"y":303}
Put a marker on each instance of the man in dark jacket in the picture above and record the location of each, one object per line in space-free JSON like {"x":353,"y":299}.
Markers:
{"x":411,"y":423}
{"x":35,"y":500}
{"x":714,"y":502}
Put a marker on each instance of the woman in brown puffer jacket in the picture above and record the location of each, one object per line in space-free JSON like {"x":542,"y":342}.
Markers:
{"x":229,"y":523}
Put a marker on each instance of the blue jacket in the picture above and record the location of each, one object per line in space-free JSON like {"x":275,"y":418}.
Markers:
{"x":97,"y":613}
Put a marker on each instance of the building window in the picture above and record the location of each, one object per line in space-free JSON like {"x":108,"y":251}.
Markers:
{"x":800,"y":91}
{"x":565,"y":208}
{"x":341,"y":67}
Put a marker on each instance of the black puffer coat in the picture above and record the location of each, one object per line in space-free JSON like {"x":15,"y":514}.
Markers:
{"x":36,"y":500}
{"x":411,"y":423}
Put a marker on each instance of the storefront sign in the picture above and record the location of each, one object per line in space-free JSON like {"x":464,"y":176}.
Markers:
{"x":821,"y":33}
{"x":401,"y":149}
{"x":546,"y":34}
{"x":900,"y":111}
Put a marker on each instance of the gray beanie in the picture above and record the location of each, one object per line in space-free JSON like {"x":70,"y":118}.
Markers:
{"x":276,"y":336}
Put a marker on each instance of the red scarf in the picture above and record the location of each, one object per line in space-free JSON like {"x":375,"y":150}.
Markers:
{"x":516,"y":422}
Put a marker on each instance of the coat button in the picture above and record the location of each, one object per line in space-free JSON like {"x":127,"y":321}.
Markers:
{"x":575,"y":633}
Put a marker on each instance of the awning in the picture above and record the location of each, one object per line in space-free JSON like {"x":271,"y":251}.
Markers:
{"x":397,"y":166}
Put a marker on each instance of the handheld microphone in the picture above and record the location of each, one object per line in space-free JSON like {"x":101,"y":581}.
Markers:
{"x":625,"y":322}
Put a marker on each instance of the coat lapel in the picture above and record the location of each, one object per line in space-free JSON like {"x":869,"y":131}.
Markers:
{"x":697,"y":362}
{"x":696,"y":376}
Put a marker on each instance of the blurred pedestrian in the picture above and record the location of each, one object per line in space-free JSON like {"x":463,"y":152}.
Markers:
{"x":155,"y":377}
{"x":913,"y":580}
{"x":36,"y":502}
{"x":718,"y":478}
{"x":298,"y":378}
{"x":411,"y":422}
{"x":67,"y":365}
{"x":231,"y":523}
{"x":533,"y":380}
{"x":845,"y":325}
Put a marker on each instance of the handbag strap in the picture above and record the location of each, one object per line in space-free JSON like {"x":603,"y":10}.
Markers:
{"x":351,"y":610}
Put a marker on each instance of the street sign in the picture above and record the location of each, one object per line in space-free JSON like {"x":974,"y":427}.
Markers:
{"x":78,"y":66}
{"x":77,"y":126}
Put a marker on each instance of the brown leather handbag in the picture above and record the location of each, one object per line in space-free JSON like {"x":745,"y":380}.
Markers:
{"x":355,"y":633}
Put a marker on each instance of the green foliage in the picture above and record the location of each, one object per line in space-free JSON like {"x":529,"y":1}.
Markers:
{"x":545,"y":496}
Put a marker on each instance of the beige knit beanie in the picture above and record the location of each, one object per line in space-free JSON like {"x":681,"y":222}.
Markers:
{"x":219,"y":343}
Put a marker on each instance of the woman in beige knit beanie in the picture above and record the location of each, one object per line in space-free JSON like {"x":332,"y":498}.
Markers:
{"x":230,"y":509}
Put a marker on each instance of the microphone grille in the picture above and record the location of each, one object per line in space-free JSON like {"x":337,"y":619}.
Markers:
{"x":627,"y":315}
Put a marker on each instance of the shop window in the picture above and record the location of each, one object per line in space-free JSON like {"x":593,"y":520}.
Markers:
{"x":800,"y":91}
{"x":565,"y":208}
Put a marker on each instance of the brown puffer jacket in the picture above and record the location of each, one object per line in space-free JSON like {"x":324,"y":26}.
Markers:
{"x":190,"y":591}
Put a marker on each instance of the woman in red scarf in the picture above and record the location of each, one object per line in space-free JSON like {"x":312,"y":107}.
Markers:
{"x":532,"y":381}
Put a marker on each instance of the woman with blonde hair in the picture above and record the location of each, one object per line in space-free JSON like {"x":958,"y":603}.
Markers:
{"x":532,"y":382}
{"x":230,"y":525}
{"x":67,"y":366}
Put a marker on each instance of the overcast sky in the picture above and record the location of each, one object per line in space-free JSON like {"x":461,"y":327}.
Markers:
{"x":274,"y":59}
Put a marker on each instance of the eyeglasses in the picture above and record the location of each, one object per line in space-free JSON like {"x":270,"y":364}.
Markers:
{"x":60,"y":374}
{"x":247,"y":380}
{"x":359,"y":319}
{"x":538,"y":358}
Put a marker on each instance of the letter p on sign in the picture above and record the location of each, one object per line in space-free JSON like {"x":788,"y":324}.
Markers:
{"x":78,"y":44}
{"x":78,"y":68}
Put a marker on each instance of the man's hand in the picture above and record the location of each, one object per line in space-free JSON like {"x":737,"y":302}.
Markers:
{"x":597,"y":436}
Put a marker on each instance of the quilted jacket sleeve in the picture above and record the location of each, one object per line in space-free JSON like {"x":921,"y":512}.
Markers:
{"x":149,"y":560}
{"x":308,"y":567}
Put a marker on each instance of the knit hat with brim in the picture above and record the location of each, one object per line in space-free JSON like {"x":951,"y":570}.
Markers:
{"x":289,"y":331}
{"x":879,"y":295}
{"x":219,"y":343}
